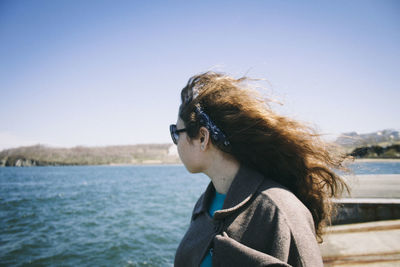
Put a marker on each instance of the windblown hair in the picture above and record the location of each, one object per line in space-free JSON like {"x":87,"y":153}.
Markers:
{"x":281,"y":148}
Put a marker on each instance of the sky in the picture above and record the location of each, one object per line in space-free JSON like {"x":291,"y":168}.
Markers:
{"x":98,"y":73}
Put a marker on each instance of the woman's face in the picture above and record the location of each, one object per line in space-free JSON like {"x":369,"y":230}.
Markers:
{"x":189,"y":152}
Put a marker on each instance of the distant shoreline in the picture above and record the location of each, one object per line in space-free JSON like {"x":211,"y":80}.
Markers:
{"x":181,"y":164}
{"x":101,"y":165}
{"x":160,"y":163}
{"x":377,"y":160}
{"x":140,"y":164}
{"x":136,"y":155}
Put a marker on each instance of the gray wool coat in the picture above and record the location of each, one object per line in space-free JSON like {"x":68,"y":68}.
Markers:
{"x":261,"y":224}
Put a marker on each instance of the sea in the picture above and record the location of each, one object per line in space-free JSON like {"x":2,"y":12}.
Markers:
{"x":103,"y":215}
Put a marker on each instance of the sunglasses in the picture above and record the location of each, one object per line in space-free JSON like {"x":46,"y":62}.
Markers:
{"x":175,"y":133}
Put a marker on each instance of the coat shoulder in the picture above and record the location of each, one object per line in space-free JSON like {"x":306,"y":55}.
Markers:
{"x":280,"y":200}
{"x":291,"y":218}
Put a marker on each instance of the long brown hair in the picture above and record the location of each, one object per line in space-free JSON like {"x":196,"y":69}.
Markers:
{"x":281,"y":148}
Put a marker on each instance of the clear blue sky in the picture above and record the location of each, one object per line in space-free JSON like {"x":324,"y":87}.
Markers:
{"x":110,"y":72}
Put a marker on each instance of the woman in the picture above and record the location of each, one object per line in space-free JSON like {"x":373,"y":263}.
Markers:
{"x":271,"y":179}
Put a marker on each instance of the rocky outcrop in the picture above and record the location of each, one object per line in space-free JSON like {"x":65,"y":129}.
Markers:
{"x":392,"y":151}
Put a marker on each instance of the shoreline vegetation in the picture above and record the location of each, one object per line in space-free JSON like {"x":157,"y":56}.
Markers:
{"x":144,"y":154}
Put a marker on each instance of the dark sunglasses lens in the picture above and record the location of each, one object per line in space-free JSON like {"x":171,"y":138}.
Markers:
{"x":174,"y":134}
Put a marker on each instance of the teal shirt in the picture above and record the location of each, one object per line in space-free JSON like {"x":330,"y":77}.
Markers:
{"x":216,"y":204}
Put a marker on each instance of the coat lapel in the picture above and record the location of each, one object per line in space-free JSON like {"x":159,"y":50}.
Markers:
{"x":204,"y":201}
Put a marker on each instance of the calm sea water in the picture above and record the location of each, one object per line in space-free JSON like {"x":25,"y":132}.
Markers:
{"x":102,"y":215}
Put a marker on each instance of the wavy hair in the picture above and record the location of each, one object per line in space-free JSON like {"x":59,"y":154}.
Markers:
{"x":279,"y":147}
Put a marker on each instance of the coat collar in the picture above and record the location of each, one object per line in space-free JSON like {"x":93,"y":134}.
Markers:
{"x":243,"y":187}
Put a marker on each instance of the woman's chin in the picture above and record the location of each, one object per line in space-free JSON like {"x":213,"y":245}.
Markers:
{"x":192,"y":170}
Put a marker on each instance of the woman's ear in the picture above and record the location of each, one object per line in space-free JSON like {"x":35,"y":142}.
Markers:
{"x":204,"y":137}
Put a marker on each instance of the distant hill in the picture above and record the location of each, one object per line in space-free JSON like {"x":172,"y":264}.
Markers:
{"x":382,"y":138}
{"x":380,"y":144}
{"x":40,"y":155}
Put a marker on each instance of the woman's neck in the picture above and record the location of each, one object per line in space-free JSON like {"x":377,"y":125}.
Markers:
{"x":222,"y":171}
